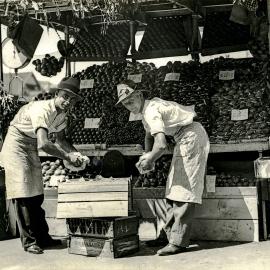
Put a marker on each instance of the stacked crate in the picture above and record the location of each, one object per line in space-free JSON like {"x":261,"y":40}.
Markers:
{"x":104,"y":237}
{"x":98,"y":221}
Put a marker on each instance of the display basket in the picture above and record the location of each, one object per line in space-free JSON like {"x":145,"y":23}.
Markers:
{"x":262,"y":167}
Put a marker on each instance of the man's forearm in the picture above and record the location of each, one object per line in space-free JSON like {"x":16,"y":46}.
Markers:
{"x":148,"y":141}
{"x":156,"y":152}
{"x":54,"y":150}
{"x":66,"y":146}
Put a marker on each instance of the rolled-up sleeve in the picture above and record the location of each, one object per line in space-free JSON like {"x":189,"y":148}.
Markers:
{"x":40,"y":119}
{"x":153,"y":118}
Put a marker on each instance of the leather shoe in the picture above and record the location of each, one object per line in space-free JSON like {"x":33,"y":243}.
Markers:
{"x":51,"y":243}
{"x":35,"y":249}
{"x":157,"y":242}
{"x":170,"y":249}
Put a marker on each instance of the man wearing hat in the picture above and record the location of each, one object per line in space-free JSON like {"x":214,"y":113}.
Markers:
{"x":185,"y":181}
{"x":28,"y":132}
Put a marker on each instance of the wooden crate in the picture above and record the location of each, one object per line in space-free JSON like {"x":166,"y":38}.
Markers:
{"x":229,"y":214}
{"x":101,"y":247}
{"x":57,"y":226}
{"x":101,"y":198}
{"x":103,"y":227}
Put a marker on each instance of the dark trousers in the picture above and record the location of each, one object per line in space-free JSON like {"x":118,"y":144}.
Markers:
{"x":179,"y":219}
{"x":31,"y":220}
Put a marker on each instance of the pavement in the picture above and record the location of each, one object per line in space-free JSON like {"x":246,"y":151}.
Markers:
{"x":200,"y":256}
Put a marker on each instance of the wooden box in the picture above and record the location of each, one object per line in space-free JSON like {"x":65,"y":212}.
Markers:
{"x":228,"y":214}
{"x":103,"y":227}
{"x":110,"y":248}
{"x":106,"y":197}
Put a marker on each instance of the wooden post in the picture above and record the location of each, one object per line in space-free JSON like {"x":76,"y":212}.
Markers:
{"x":268,"y":11}
{"x":132,"y":33}
{"x":195,"y":38}
{"x":68,"y":66}
{"x":1,"y":60}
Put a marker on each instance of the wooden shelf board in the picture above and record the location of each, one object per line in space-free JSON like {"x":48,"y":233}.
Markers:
{"x":89,"y":59}
{"x":161,"y":53}
{"x":239,"y":147}
{"x":225,"y":49}
{"x":221,"y":192}
{"x":135,"y":150}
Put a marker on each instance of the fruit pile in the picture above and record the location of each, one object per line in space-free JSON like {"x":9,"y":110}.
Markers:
{"x":191,"y":89}
{"x":116,"y":120}
{"x":259,"y":45}
{"x":91,"y":44}
{"x":99,"y":102}
{"x":49,"y":66}
{"x":219,"y":32}
{"x":9,"y":106}
{"x":62,"y":174}
{"x":94,"y":104}
{"x":158,"y":177}
{"x":259,"y":48}
{"x":163,"y":33}
{"x":198,"y":85}
{"x":230,"y":180}
{"x":246,"y":91}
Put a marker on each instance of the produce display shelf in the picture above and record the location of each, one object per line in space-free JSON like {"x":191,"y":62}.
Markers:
{"x":225,"y":49}
{"x":240,"y":147}
{"x":161,"y":53}
{"x":89,"y":59}
{"x":135,"y":150}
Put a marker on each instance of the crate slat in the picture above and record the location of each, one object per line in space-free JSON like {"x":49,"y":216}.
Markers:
{"x":225,"y":230}
{"x":92,"y":209}
{"x":232,"y":192}
{"x":221,"y":192}
{"x":245,"y":208}
{"x":93,"y":186}
{"x":92,"y":197}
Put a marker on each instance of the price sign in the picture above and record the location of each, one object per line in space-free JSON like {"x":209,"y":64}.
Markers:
{"x":211,"y":183}
{"x":91,"y":122}
{"x":137,"y":78}
{"x":237,"y":115}
{"x":172,"y":77}
{"x":84,"y":84}
{"x":135,"y":117}
{"x":226,"y":75}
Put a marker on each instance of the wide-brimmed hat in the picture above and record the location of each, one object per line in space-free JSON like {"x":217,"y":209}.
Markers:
{"x":70,"y":85}
{"x":123,"y":92}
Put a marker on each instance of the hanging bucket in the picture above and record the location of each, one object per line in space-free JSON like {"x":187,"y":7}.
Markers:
{"x":240,"y":15}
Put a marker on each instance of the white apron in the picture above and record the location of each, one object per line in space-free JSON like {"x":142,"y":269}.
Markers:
{"x":185,"y":181}
{"x":22,"y":165}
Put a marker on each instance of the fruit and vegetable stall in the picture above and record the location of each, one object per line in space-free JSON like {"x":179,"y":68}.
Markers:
{"x":231,"y":98}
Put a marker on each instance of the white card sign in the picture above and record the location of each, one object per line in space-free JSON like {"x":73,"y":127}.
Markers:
{"x":226,"y":75}
{"x":237,"y":115}
{"x":137,"y":78}
{"x":211,"y":183}
{"x":91,"y":122}
{"x":84,"y":84}
{"x":172,"y":77}
{"x":135,"y":117}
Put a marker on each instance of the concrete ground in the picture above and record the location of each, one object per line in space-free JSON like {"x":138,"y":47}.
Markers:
{"x":201,"y":256}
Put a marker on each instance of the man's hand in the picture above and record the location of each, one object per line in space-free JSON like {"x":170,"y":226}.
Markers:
{"x":145,"y":161}
{"x":74,"y":159}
